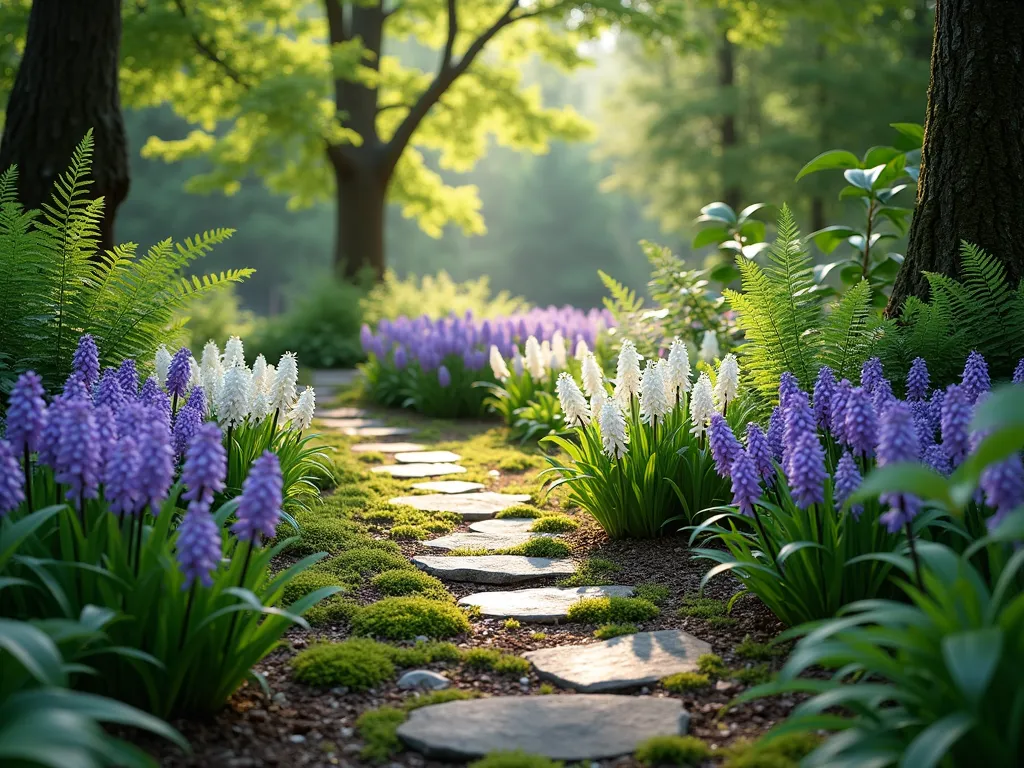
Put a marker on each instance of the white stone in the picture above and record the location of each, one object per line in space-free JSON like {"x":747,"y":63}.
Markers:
{"x":350,"y":423}
{"x":377,"y":431}
{"x":472,"y":506}
{"x":482,"y":540}
{"x":423,"y":679}
{"x":342,"y":412}
{"x":493,"y":569}
{"x":386,"y":447}
{"x":504,"y":525}
{"x":427,"y":457}
{"x":448,"y":486}
{"x":420,"y":470}
{"x":542,"y":604}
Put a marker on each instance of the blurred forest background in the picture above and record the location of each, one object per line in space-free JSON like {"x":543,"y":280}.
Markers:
{"x":716,"y":115}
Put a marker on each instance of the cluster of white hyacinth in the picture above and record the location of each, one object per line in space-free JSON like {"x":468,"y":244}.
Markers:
{"x":659,"y":388}
{"x":541,"y":359}
{"x":237,"y":394}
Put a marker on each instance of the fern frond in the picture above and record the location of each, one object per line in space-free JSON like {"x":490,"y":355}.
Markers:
{"x":844,"y":342}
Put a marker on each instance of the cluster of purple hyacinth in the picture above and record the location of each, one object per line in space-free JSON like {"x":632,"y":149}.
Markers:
{"x":427,"y":343}
{"x":105,"y":437}
{"x":865,"y":425}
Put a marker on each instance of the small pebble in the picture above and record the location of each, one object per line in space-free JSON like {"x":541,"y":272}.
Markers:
{"x":296,"y":738}
{"x":341,"y":690}
{"x":279,"y":698}
{"x":494,"y":473}
{"x":524,"y":681}
{"x":645,"y":690}
{"x":346,"y":733}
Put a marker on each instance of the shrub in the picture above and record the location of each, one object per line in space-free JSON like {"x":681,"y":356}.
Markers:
{"x":517,"y":759}
{"x":402,"y":582}
{"x":540,"y":547}
{"x":672,"y":750}
{"x":608,"y":631}
{"x":611,"y":610}
{"x":554,"y":524}
{"x":403,"y":618}
{"x":362,"y":561}
{"x":520,"y":511}
{"x":357,"y":663}
{"x":685,"y":682}
{"x":436,"y":296}
{"x":217,"y":315}
{"x":408,"y":533}
{"x":711,"y":664}
{"x":654,"y":593}
{"x":495,"y":660}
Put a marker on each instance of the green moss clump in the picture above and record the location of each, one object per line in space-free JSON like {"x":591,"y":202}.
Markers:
{"x":539,"y":635}
{"x":748,"y":649}
{"x":403,"y":618}
{"x":333,"y":610}
{"x":439,"y":526}
{"x":782,"y":752}
{"x":595,"y":572}
{"x":712,"y":665}
{"x":371,"y":457}
{"x":520,"y":510}
{"x":722,"y":621}
{"x":684,"y":682}
{"x":540,"y":547}
{"x":554,"y":524}
{"x":422,"y":654}
{"x":512,"y":624}
{"x":308,"y":581}
{"x":357,"y":663}
{"x":363,"y":561}
{"x":702,"y":607}
{"x":608,"y":631}
{"x":496,"y":661}
{"x":378,"y":728}
{"x":755,"y":675}
{"x":402,"y":582}
{"x":673,"y":750}
{"x":321,"y":533}
{"x":517,"y":759}
{"x":408,"y":533}
{"x":546,"y":689}
{"x":612,"y":610}
{"x":655,"y":593}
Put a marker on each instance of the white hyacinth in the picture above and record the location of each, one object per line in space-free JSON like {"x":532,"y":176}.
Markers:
{"x":709,"y":351}
{"x":232,"y":403}
{"x":259,"y":371}
{"x":678,"y":370}
{"x":282,"y":391}
{"x":268,"y":378}
{"x":234,"y":352}
{"x":582,"y":350}
{"x":654,"y":406}
{"x":162,"y":364}
{"x":558,"y":352}
{"x":728,"y":381}
{"x":259,"y":406}
{"x":301,"y":415}
{"x":614,"y":437}
{"x":498,"y":367}
{"x":211,"y":371}
{"x":702,"y":405}
{"x":627,"y":374}
{"x":195,"y":373}
{"x":518,"y":363}
{"x":593,"y":377}
{"x":574,"y":405}
{"x":534,"y":358}
{"x":666,"y":380}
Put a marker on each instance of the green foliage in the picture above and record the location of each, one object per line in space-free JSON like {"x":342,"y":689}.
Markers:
{"x":654,"y":593}
{"x":378,"y":728}
{"x":593,"y":572}
{"x":755,"y":674}
{"x":612,"y":610}
{"x":436,"y":296}
{"x":771,"y":751}
{"x":673,"y":750}
{"x":608,"y":631}
{"x":403,"y":618}
{"x":554,"y":524}
{"x":216,"y":315}
{"x":496,"y":661}
{"x":308,"y":581}
{"x":748,"y":649}
{"x":408,"y":533}
{"x":512,"y":624}
{"x":57,"y":286}
{"x":363,"y":561}
{"x":357,"y":663}
{"x":517,"y":759}
{"x":711,"y":665}
{"x":519,"y":511}
{"x":402,"y":582}
{"x":788,"y":325}
{"x":542,"y":546}
{"x":703,"y":607}
{"x":686,"y":682}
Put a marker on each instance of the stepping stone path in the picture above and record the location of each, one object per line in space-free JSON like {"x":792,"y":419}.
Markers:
{"x":448,"y":486}
{"x":420,"y":470}
{"x":629,"y":661}
{"x":482,"y":540}
{"x":570,"y":728}
{"x":377,"y":431}
{"x":427,"y":457}
{"x":504,"y":526}
{"x":544,"y":604}
{"x":351,"y":423}
{"x":493,"y":569}
{"x":472,"y":506}
{"x":387,"y":448}
{"x":342,"y":412}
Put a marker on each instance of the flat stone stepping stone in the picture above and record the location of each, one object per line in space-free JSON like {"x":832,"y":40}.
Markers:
{"x":570,"y":728}
{"x":420,"y":470}
{"x":493,"y":569}
{"x":503,"y":526}
{"x":343,"y":412}
{"x":482,"y":540}
{"x":543,"y":604}
{"x":472,"y":506}
{"x":377,"y":431}
{"x":629,"y":661}
{"x":387,"y":448}
{"x":427,"y":457}
{"x":351,"y":423}
{"x":448,"y":486}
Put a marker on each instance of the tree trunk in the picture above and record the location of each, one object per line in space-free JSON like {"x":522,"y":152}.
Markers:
{"x":66,"y":84}
{"x":972,"y":172}
{"x":729,"y":134}
{"x":359,"y":234}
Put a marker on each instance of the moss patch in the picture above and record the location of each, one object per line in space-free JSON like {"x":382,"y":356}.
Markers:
{"x":378,"y":728}
{"x":753,"y":675}
{"x":357,"y":663}
{"x":748,"y":649}
{"x":684,"y":682}
{"x":655,"y":593}
{"x":702,"y":607}
{"x":554,"y":524}
{"x":306,"y":582}
{"x":712,"y":665}
{"x":673,"y":750}
{"x":363,"y":561}
{"x":612,"y":610}
{"x":782,"y":752}
{"x":512,"y":624}
{"x":402,"y":582}
{"x":517,"y":759}
{"x":520,"y":510}
{"x":403,"y":618}
{"x":540,"y":547}
{"x":595,"y":572}
{"x":496,"y":661}
{"x":608,"y":631}
{"x":409,"y":533}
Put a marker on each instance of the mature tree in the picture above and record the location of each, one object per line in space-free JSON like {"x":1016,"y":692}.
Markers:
{"x":972,"y":171}
{"x":319,"y":104}
{"x":66,"y":84}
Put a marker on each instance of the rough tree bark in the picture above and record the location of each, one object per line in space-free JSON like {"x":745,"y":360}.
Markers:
{"x":727,"y":129}
{"x":66,"y":84}
{"x":972,"y":174}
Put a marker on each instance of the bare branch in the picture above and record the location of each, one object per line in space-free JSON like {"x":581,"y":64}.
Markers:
{"x":396,"y":105}
{"x":208,"y":52}
{"x":453,"y":30}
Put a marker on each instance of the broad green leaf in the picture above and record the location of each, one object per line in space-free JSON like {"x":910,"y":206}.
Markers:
{"x":933,"y":743}
{"x":717,"y":212}
{"x":829,"y":238}
{"x":905,"y":477}
{"x":880,"y":156}
{"x":832,"y":160}
{"x":750,"y":210}
{"x":864,"y":178}
{"x":1003,"y":408}
{"x":972,"y":658}
{"x":753,"y":231}
{"x":911,"y":136}
{"x":710,"y":236}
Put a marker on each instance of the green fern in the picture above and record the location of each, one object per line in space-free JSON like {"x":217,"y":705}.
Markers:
{"x":58,"y":285}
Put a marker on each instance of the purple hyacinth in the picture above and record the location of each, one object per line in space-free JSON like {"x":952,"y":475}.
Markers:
{"x":366,"y":337}
{"x":77,"y":462}
{"x":935,"y":457}
{"x":400,"y":358}
{"x":197,"y":401}
{"x":776,"y":431}
{"x":86,"y":360}
{"x":49,"y":438}
{"x":837,"y":421}
{"x":12,"y":492}
{"x":746,"y":488}
{"x":823,"y":389}
{"x":106,"y":427}
{"x":846,"y":481}
{"x":760,"y":453}
{"x":198,"y":546}
{"x":975,"y":380}
{"x":861,"y":422}
{"x":1018,"y":373}
{"x":956,"y":417}
{"x":74,"y":388}
{"x":871,"y":374}
{"x":156,"y":398}
{"x":26,"y":413}
{"x":206,"y":465}
{"x":799,"y":422}
{"x":186,"y":424}
{"x":156,"y":471}
{"x":806,"y":471}
{"x":444,"y":378}
{"x":922,"y":411}
{"x":1003,"y":485}
{"x":882,"y":396}
{"x":788,"y":386}
{"x":121,"y":478}
{"x":897,"y":442}
{"x":918,"y":380}
{"x":724,"y":445}
{"x":129,"y":378}
{"x":259,"y":507}
{"x":179,"y":372}
{"x":108,"y":391}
